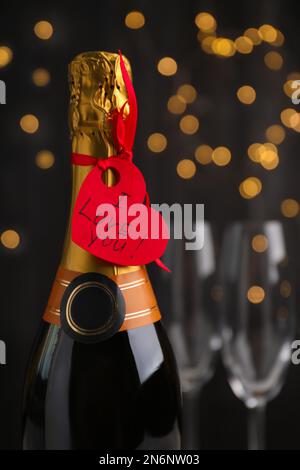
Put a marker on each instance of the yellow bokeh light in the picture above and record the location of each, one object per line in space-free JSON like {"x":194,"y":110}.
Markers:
{"x":187,"y":93}
{"x":296,"y":128}
{"x":186,"y":168}
{"x":259,"y":243}
{"x":254,"y":35}
{"x":289,"y":117}
{"x":157,"y":142}
{"x":134,"y":20}
{"x":254,"y":152}
{"x":41,"y":77}
{"x":205,"y":22}
{"x":221,"y":156}
{"x":243,"y":44}
{"x":167,"y":66}
{"x":266,"y":152}
{"x":273,"y":60}
{"x":289,"y":208}
{"x":256,"y":294}
{"x":201,"y":35}
{"x":223,"y":47}
{"x":246,"y":94}
{"x":215,"y":45}
{"x":44,"y":159}
{"x":206,"y":44}
{"x":6,"y":56}
{"x":226,"y":47}
{"x":29,"y":123}
{"x":203,"y":154}
{"x":279,"y":41}
{"x":285,"y":289}
{"x":189,"y":124}
{"x":250,"y":187}
{"x":269,"y":159}
{"x":268,"y":33}
{"x":43,"y":30}
{"x":176,"y":105}
{"x":268,"y":146}
{"x":10,"y":239}
{"x":288,"y":88}
{"x":275,"y":134}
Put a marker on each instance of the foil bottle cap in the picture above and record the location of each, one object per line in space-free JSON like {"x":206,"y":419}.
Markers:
{"x":96,"y":89}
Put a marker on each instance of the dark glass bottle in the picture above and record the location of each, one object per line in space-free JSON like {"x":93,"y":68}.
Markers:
{"x":118,"y":394}
{"x":123,"y":392}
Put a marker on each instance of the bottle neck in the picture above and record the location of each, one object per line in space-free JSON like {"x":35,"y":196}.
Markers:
{"x":75,"y":258}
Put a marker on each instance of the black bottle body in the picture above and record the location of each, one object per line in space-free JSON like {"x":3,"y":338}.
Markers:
{"x":122,"y":393}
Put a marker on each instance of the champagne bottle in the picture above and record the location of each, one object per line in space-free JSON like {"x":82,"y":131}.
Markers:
{"x":82,"y":393}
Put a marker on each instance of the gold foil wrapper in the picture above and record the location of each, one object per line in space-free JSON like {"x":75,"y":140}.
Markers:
{"x":96,"y":89}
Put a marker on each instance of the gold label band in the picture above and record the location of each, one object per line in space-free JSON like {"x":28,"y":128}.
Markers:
{"x":140,"y":301}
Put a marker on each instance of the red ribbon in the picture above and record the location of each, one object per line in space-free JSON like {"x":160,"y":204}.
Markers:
{"x":83,"y":160}
{"x":126,"y":126}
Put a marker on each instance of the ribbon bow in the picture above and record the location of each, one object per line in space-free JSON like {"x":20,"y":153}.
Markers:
{"x":124,"y":127}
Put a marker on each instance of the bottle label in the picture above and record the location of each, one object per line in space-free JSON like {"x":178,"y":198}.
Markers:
{"x":140,"y":303}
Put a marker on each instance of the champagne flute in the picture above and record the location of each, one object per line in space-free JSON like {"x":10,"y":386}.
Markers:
{"x":190,"y":297}
{"x":258,"y":316}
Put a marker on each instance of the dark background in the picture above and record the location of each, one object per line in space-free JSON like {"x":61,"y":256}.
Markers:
{"x":35,"y":202}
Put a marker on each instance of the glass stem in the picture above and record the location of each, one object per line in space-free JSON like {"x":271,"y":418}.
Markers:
{"x":191,"y":418}
{"x":256,"y":427}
